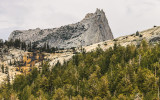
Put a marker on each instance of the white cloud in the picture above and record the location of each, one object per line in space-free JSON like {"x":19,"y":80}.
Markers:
{"x":125,"y":16}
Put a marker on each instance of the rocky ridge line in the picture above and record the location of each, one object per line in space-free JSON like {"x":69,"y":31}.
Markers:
{"x":92,"y":29}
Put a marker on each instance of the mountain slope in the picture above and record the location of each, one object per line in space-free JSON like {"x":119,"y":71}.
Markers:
{"x":118,"y":73}
{"x":151,"y":35}
{"x":92,"y":29}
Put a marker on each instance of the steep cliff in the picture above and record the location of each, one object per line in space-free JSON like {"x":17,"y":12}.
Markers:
{"x":92,"y":29}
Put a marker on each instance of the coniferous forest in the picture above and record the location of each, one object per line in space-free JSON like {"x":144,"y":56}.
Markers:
{"x":30,"y":47}
{"x":119,"y":73}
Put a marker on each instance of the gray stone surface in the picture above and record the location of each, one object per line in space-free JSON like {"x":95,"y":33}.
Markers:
{"x":92,"y":29}
{"x":1,"y":40}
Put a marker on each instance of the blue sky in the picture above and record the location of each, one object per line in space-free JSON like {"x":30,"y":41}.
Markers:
{"x":125,"y":16}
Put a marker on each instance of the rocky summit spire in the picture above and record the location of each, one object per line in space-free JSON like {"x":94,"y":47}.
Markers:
{"x":92,"y":29}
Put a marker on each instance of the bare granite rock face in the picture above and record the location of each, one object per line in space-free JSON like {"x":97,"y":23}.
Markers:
{"x":92,"y":29}
{"x":1,"y":40}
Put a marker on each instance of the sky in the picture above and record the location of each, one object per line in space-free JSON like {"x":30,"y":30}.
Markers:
{"x":125,"y":16}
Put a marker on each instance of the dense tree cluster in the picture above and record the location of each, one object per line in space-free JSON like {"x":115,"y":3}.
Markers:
{"x":28,"y":47}
{"x":119,"y":73}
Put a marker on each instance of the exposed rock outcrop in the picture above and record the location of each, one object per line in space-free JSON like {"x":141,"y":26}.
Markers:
{"x":1,"y":40}
{"x":151,"y":36}
{"x":92,"y":29}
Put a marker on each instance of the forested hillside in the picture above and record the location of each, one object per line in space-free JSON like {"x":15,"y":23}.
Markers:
{"x":119,"y":73}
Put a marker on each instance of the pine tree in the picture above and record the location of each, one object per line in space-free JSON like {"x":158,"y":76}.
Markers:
{"x":8,"y":80}
{"x":7,"y":70}
{"x":2,"y":68}
{"x":137,"y":33}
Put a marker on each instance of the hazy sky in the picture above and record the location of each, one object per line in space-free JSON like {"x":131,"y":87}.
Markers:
{"x":125,"y":16}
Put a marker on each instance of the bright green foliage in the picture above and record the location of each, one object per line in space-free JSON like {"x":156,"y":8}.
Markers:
{"x":60,"y":95}
{"x":119,"y":73}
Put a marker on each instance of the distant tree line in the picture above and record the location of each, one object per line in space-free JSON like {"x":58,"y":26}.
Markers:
{"x":17,"y":43}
